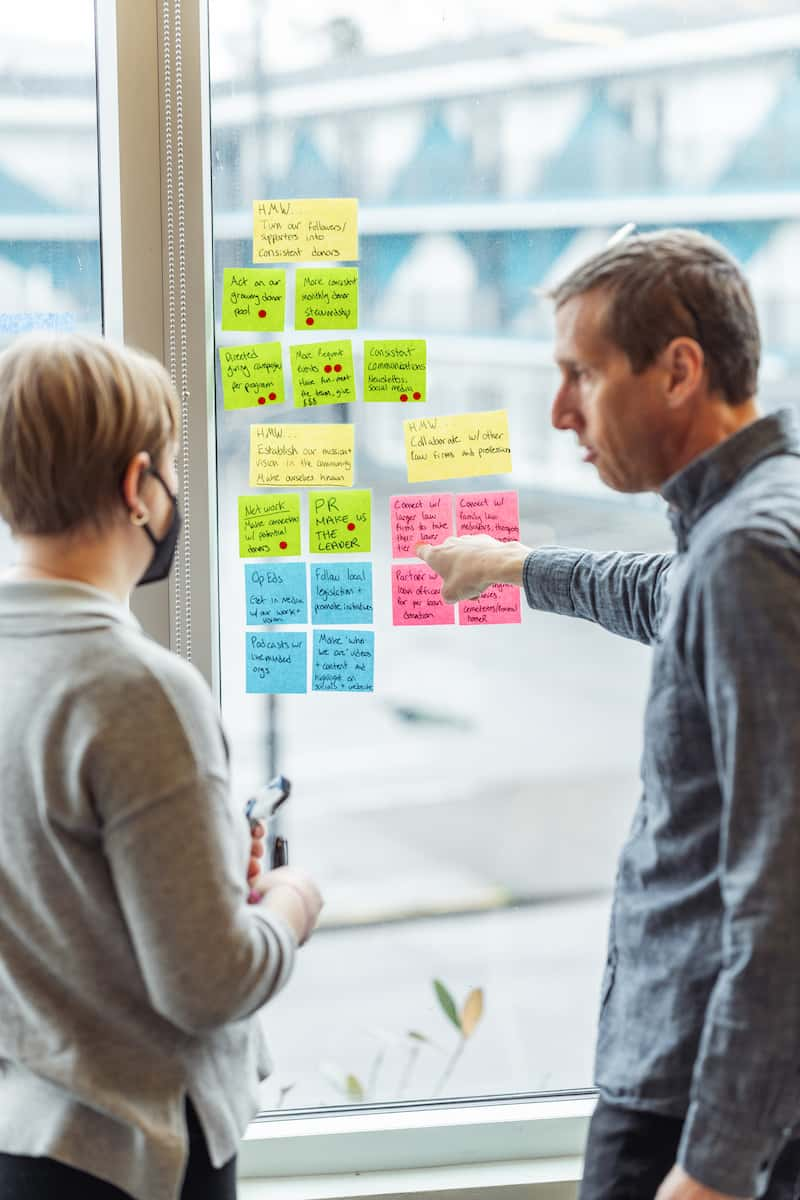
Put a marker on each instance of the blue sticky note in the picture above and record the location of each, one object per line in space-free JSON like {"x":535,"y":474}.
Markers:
{"x":341,"y":593}
{"x":344,"y":660}
{"x":276,"y":662}
{"x":276,"y":593}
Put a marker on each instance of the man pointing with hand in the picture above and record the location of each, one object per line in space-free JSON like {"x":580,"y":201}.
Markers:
{"x":698,"y":1048}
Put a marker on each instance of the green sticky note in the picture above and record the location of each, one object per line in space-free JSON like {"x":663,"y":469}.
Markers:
{"x":253,"y":300}
{"x":340,"y":522}
{"x":395,"y":371}
{"x":269,"y":526}
{"x":322,"y":373}
{"x":326,"y":298}
{"x":251,"y":375}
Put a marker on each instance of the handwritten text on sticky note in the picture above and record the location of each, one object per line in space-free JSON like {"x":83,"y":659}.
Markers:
{"x":326,"y":298}
{"x":269,"y":526}
{"x":276,"y":594}
{"x":417,"y":597}
{"x":395,"y":371}
{"x":495,"y":513}
{"x":340,"y":522}
{"x":341,"y":594}
{"x":322,"y":373}
{"x":498,"y":605}
{"x":305,"y":230}
{"x":419,"y":519}
{"x":276,"y":663}
{"x":251,"y":375}
{"x":454,"y":446}
{"x":344,"y":660}
{"x":253,"y":301}
{"x":301,"y":455}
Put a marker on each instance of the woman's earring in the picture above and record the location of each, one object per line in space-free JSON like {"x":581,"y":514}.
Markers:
{"x":139,"y":518}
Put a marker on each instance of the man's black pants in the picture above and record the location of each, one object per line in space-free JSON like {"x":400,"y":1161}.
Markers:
{"x":628,"y":1154}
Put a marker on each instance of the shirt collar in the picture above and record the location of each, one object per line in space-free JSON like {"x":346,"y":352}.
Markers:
{"x":706,"y":479}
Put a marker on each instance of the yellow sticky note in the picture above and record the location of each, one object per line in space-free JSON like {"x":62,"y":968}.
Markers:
{"x":301,"y":455}
{"x":459,"y":445}
{"x":305,"y":230}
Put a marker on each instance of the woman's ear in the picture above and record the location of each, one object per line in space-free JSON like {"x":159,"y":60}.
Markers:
{"x":131,"y":485}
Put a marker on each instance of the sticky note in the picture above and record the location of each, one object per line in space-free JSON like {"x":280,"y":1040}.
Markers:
{"x":419,"y":519}
{"x":269,"y":526}
{"x":344,"y":660}
{"x":499,"y":605}
{"x":276,"y":663}
{"x":305,"y":230}
{"x":395,"y":371}
{"x":322,"y":373}
{"x":251,"y":375}
{"x":326,"y":298}
{"x":276,"y":594}
{"x":417,"y":597}
{"x":341,"y":594}
{"x":301,"y":455}
{"x":339,"y":522}
{"x":453,"y":446}
{"x":253,"y":301}
{"x":495,"y":513}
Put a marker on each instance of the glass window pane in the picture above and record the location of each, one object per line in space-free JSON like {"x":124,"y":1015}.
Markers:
{"x":464,"y":820}
{"x":49,"y":187}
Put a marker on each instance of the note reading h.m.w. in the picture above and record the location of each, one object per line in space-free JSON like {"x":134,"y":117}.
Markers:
{"x":253,"y":301}
{"x":305,"y":230}
{"x":455,"y":446}
{"x":301,"y":455}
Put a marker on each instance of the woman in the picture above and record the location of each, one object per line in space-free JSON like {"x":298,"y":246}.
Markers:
{"x":131,"y":964}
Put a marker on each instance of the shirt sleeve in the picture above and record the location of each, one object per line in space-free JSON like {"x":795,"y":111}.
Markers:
{"x":743,"y":648}
{"x":623,"y":592}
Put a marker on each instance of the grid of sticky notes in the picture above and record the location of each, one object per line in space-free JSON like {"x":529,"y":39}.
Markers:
{"x":416,"y":588}
{"x":327,"y":594}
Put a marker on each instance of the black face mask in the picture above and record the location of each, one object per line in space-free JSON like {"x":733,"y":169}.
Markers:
{"x":163,"y":548}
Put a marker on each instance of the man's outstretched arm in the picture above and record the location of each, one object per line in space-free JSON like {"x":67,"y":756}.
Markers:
{"x":622,"y":592}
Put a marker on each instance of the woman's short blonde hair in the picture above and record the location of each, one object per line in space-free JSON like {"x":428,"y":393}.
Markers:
{"x":73,"y":412}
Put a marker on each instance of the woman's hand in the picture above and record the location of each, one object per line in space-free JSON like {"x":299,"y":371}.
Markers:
{"x":293,"y":895}
{"x":257,"y":834}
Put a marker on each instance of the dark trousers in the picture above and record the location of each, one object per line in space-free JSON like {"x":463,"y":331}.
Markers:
{"x":629,"y":1153}
{"x":23,"y":1178}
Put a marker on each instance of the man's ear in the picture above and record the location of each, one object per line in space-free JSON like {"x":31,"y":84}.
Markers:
{"x":684,"y":366}
{"x":131,"y":484}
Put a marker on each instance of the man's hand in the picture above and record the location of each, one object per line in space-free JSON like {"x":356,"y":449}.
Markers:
{"x":257,"y":834}
{"x":469,"y":565}
{"x":680,"y":1186}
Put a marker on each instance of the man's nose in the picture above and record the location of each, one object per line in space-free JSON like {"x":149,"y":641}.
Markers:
{"x":563,"y":414}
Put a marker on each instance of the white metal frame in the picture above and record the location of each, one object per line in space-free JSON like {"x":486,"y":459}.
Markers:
{"x":462,"y":1150}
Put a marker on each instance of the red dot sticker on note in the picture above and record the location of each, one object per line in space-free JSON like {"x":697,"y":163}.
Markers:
{"x":338,"y":367}
{"x":284,"y":545}
{"x":404,"y":397}
{"x":350,"y":526}
{"x":417,"y":395}
{"x":328,"y":368}
{"x":262,"y":312}
{"x":273,"y":396}
{"x":309,"y":320}
{"x":262,"y":399}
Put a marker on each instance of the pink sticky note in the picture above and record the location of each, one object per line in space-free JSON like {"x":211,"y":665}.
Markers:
{"x":496,"y":513}
{"x":419,"y":519}
{"x":499,"y":605}
{"x":417,"y":597}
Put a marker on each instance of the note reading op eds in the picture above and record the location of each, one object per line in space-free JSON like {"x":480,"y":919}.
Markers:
{"x":456,"y":446}
{"x":301,"y":455}
{"x":305,"y":230}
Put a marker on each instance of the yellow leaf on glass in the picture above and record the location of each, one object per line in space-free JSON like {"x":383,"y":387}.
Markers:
{"x":472,"y":1012}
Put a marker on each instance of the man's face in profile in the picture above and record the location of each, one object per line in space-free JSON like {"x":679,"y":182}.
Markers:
{"x":619,"y":418}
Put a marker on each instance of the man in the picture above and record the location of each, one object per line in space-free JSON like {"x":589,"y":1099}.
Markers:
{"x":698,"y":1050}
